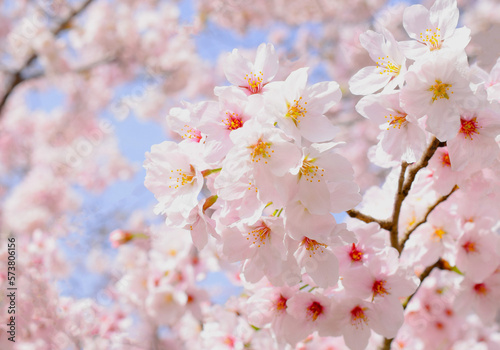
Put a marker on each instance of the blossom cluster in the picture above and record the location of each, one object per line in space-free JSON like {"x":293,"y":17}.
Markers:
{"x":427,"y":87}
{"x":440,"y":113}
{"x":264,"y":153}
{"x":258,"y":175}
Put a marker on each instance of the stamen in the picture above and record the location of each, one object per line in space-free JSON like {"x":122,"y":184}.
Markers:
{"x":180,"y":177}
{"x":261,"y":150}
{"x":470,"y":247}
{"x":378,"y":288}
{"x":314,"y":310}
{"x":254,"y":82}
{"x":439,"y":233}
{"x":191,"y":133}
{"x":355,"y":254}
{"x":388,"y":66}
{"x":295,"y":111}
{"x":440,"y":90}
{"x":469,"y":127}
{"x":260,"y":234}
{"x":312,"y":246}
{"x":432,"y":38}
{"x":233,"y":121}
{"x":281,"y":303}
{"x":358,"y":316}
{"x":310,"y":171}
{"x":397,"y":120}
{"x":445,"y":160}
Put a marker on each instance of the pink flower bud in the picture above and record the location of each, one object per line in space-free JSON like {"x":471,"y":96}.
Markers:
{"x":119,"y":237}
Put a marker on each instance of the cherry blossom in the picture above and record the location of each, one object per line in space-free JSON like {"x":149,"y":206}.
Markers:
{"x":433,"y":29}
{"x":252,"y":77}
{"x":391,"y":64}
{"x":436,"y":88}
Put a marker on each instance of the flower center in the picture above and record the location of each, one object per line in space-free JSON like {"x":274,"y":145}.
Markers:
{"x":295,"y":111}
{"x":168,"y":298}
{"x":439,"y":233}
{"x":233,"y":121}
{"x":254,"y":82}
{"x":432,"y":38}
{"x":480,"y":288}
{"x":389,"y":67}
{"x":180,"y":177}
{"x":309,"y":170}
{"x":379,"y":288}
{"x":314,"y":310}
{"x":191,"y":133}
{"x":261,"y":150}
{"x":469,"y":127}
{"x":312,"y":246}
{"x":355,"y":254}
{"x":260,"y":234}
{"x":469,"y":247}
{"x":445,"y":160}
{"x":358,"y":316}
{"x":397,"y":120}
{"x":229,"y":341}
{"x":440,"y":90}
{"x":251,"y":186}
{"x":281,"y":303}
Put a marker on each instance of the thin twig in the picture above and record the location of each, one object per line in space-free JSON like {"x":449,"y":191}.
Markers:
{"x":424,"y":220}
{"x":387,"y":344}
{"x":77,"y":70}
{"x":17,"y":77}
{"x":353,"y":213}
{"x":397,"y":207}
{"x":404,"y":186}
{"x":439,"y":264}
{"x":415,"y":168}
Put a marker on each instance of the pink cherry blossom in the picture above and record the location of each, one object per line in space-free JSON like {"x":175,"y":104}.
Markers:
{"x":402,"y":137}
{"x":475,"y":145}
{"x":182,"y":183}
{"x":482,"y":297}
{"x":299,"y":109}
{"x":433,"y":29}
{"x":437,"y":88}
{"x":391,"y":64}
{"x":310,"y":311}
{"x":252,"y":77}
{"x":477,"y":252}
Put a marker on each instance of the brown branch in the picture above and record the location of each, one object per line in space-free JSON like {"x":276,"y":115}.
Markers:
{"x":404,"y":186}
{"x":353,"y":213}
{"x":15,"y":80}
{"x":439,"y":201}
{"x":17,"y":77}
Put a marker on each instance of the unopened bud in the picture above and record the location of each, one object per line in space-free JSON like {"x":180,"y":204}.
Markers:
{"x":119,"y":237}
